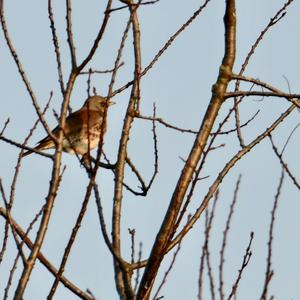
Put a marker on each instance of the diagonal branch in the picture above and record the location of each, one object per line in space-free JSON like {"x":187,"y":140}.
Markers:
{"x":166,"y":46}
{"x":245,"y":263}
{"x":98,"y":38}
{"x":283,"y":164}
{"x":229,"y":165}
{"x":166,"y":231}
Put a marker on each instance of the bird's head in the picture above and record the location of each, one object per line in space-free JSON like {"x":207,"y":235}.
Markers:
{"x":97,"y":103}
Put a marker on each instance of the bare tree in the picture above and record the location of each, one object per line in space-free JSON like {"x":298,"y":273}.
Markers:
{"x":144,"y":272}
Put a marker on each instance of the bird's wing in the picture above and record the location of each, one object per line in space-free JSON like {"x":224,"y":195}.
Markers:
{"x":72,"y":126}
{"x":75,"y":123}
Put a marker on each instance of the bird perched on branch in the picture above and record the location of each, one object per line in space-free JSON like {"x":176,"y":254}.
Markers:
{"x":83,"y":128}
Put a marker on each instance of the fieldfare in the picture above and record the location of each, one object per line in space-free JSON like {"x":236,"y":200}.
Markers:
{"x":82,"y":129}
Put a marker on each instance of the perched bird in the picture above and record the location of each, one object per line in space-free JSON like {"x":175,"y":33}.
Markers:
{"x":82,"y":129}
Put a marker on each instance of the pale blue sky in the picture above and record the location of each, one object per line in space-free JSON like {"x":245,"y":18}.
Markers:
{"x":180,"y":84}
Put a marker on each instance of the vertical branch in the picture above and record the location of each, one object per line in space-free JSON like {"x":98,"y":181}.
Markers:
{"x":224,"y":242}
{"x":246,"y":259}
{"x":70,"y":34}
{"x":202,"y":260}
{"x":56,"y":47}
{"x":123,"y":276}
{"x":269,"y":271}
{"x":166,"y":231}
{"x":137,"y":277}
{"x":209,"y":223}
{"x":205,"y":256}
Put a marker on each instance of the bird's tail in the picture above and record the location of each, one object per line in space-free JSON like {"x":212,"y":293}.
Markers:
{"x":44,"y":144}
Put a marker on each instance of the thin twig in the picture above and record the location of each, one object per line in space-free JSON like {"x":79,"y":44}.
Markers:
{"x":289,"y":97}
{"x":98,"y":38}
{"x":137,"y":277}
{"x":132,"y":237}
{"x":166,"y":124}
{"x":91,"y":71}
{"x":206,"y":249}
{"x":56,"y":48}
{"x":283,"y":164}
{"x":241,"y":126}
{"x":202,"y":260}
{"x":164,"y":280}
{"x":205,"y":255}
{"x":145,"y":188}
{"x":88,"y":83}
{"x":126,"y":6}
{"x":137,"y":173}
{"x":245,"y":262}
{"x":225,"y":236}
{"x":103,"y":226}
{"x":289,"y":138}
{"x":155,"y":149}
{"x":4,"y":126}
{"x":21,"y":146}
{"x":269,"y":272}
{"x":6,"y":228}
{"x":263,"y":94}
{"x":70,"y":33}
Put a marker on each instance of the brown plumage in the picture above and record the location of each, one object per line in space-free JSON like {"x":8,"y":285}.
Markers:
{"x":82,"y":127}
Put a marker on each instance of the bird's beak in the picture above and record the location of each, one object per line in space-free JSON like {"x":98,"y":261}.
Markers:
{"x":111,"y":103}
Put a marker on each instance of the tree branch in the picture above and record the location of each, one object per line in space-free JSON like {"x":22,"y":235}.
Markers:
{"x":166,"y":232}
